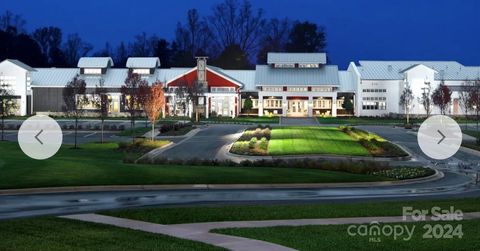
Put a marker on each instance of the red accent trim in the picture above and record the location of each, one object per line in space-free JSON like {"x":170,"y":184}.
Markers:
{"x":293,"y":97}
{"x":214,"y":80}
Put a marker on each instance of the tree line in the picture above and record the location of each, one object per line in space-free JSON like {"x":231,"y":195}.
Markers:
{"x":235,"y":35}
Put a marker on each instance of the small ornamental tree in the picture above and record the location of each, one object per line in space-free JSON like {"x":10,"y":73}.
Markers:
{"x":348,"y":105}
{"x":474,"y":100}
{"x":441,"y":97}
{"x":154,"y":104}
{"x":248,"y":105}
{"x":75,"y":99}
{"x":406,"y":100}
{"x":193,"y":90}
{"x":7,"y":103}
{"x":102,"y":102}
{"x":132,"y":97}
{"x":426,"y":98}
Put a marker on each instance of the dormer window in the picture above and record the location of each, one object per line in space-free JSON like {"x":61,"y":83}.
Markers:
{"x":280,"y":65}
{"x":308,"y":65}
{"x":141,"y":71}
{"x":92,"y":71}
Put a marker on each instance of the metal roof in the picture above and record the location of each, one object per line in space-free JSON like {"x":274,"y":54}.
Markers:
{"x":325,"y":75}
{"x":293,"y":58}
{"x":347,"y":81}
{"x":143,"y":62}
{"x":393,"y":70}
{"x":19,"y":64}
{"x":95,"y":62}
{"x":246,"y":77}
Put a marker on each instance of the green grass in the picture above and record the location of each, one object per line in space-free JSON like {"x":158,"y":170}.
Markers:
{"x":136,"y":132}
{"x":313,"y":140}
{"x":472,"y":133}
{"x":280,"y":212}
{"x":55,"y":234}
{"x":101,"y":164}
{"x":336,"y":237}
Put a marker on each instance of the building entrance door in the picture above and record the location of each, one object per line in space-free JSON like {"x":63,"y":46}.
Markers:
{"x":297,"y":108}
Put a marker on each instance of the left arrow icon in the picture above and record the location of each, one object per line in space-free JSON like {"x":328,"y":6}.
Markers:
{"x":38,"y":134}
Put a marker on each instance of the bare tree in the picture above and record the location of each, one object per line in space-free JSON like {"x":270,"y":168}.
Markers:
{"x":193,"y":91}
{"x":474,"y":100}
{"x":234,"y":23}
{"x":7,"y":103}
{"x":12,"y":21}
{"x":102,"y":102}
{"x":132,"y":97}
{"x":274,"y":39}
{"x":464,"y":96}
{"x":75,"y":99}
{"x":426,"y":98}
{"x":75,"y":48}
{"x":143,"y":45}
{"x":441,"y":97}
{"x":406,"y":100}
{"x":155,"y":104}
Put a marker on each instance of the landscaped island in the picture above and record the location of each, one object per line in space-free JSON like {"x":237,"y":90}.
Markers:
{"x":342,"y":140}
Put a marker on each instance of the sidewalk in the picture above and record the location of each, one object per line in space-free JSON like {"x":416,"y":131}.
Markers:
{"x":201,"y":231}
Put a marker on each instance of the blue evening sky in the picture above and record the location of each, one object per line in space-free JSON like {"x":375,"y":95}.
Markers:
{"x":356,"y":29}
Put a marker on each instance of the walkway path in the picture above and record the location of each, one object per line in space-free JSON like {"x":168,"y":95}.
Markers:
{"x":201,"y":231}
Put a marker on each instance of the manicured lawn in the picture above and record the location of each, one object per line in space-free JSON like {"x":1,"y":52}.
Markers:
{"x":101,"y":164}
{"x":55,"y":234}
{"x":336,"y":237}
{"x":313,"y":140}
{"x":137,"y":131}
{"x":472,"y":133}
{"x":280,"y":212}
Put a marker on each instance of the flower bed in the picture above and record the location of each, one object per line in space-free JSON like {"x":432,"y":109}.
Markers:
{"x":403,"y":173}
{"x":254,"y":141}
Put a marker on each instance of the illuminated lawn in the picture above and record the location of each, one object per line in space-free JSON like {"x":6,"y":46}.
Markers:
{"x":313,"y":140}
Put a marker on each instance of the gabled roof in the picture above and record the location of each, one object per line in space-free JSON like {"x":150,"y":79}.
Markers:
{"x":325,"y":75}
{"x":95,"y":62}
{"x":143,"y":62}
{"x":295,"y":58}
{"x":347,"y":81}
{"x":393,"y":70}
{"x":414,"y":66}
{"x":19,"y":64}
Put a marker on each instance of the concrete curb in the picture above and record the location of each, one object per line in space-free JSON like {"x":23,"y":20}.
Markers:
{"x":74,"y":189}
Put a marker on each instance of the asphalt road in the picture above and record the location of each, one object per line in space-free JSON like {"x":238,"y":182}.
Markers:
{"x":451,"y":186}
{"x":206,"y":143}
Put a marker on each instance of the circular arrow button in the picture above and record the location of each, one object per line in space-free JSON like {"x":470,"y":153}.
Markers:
{"x":439,"y":137}
{"x":40,"y":137}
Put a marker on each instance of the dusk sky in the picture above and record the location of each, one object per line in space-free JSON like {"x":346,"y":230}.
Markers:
{"x":356,"y":30}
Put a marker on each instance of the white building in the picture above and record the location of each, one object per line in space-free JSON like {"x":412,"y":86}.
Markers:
{"x":290,"y":84}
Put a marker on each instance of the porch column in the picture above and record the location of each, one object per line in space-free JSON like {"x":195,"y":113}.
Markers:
{"x":231,"y":100}
{"x":190,"y":109}
{"x":284,"y":105}
{"x":207,"y":106}
{"x":260,"y":105}
{"x":310,"y":107}
{"x":334,"y":106}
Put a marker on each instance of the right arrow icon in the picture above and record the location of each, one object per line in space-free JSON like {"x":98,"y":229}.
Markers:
{"x":443,"y":137}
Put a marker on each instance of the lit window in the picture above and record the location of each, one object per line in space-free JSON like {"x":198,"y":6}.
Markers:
{"x":141,"y":71}
{"x":272,"y":88}
{"x":308,"y":66}
{"x":96,"y":71}
{"x":284,"y":65}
